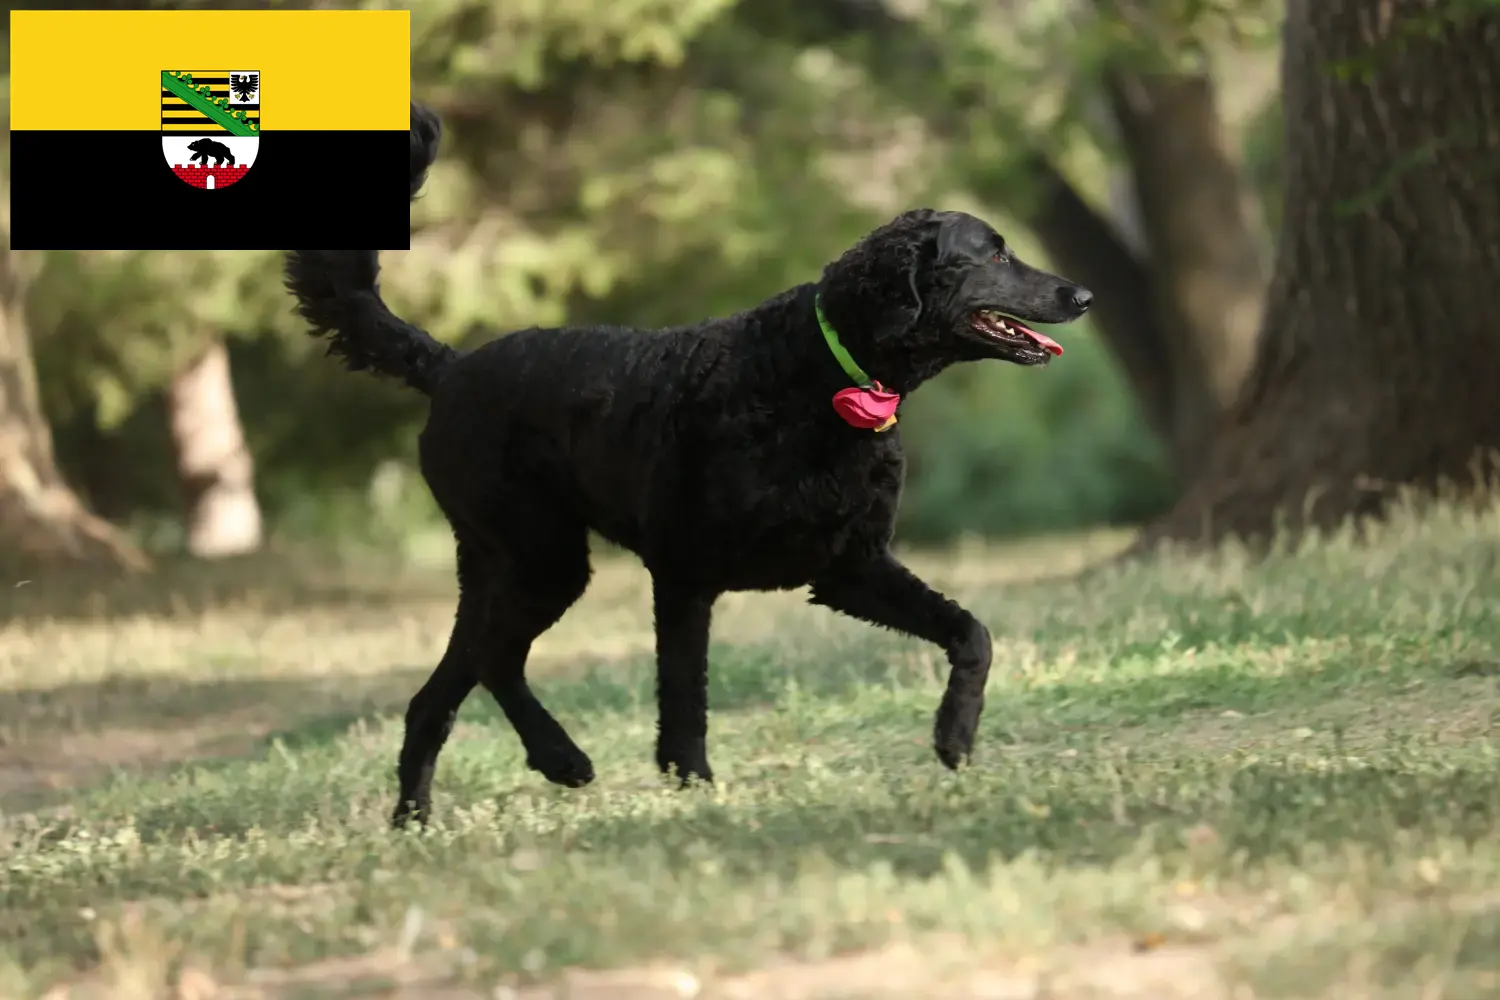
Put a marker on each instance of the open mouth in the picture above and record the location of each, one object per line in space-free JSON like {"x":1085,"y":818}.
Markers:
{"x":1003,"y":329}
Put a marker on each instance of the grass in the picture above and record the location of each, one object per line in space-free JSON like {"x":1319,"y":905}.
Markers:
{"x":1198,"y":778}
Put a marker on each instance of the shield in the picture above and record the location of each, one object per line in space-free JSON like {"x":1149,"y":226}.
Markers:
{"x":210,"y":125}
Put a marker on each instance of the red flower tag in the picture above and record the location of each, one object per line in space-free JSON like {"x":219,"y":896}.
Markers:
{"x":869,"y":408}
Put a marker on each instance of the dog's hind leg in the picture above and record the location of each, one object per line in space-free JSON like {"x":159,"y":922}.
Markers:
{"x":682,"y":625}
{"x":538,"y":578}
{"x":503,"y":605}
{"x":876,"y":588}
{"x":430,"y":714}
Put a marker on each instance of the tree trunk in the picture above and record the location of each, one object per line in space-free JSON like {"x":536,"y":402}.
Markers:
{"x":1205,"y":258}
{"x":1377,"y":363}
{"x":1178,"y":269}
{"x":43,"y":523}
{"x":213,"y":463}
{"x":1179,"y":300}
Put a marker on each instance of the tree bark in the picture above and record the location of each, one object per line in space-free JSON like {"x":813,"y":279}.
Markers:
{"x":43,"y":523}
{"x":213,"y":462}
{"x":1207,"y":275}
{"x":1376,"y":367}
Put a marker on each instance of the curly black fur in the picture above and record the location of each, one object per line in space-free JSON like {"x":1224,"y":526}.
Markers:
{"x":712,"y":451}
{"x":338,"y":293}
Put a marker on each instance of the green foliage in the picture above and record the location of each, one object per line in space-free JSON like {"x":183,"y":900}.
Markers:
{"x":644,"y":162}
{"x":1007,"y":451}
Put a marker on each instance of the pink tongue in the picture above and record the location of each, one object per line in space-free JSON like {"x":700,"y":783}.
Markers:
{"x":1040,"y":339}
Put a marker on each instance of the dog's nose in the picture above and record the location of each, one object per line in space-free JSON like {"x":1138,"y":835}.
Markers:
{"x":1078,"y":297}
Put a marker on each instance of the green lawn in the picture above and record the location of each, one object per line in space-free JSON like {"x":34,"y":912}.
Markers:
{"x":1197,"y":779}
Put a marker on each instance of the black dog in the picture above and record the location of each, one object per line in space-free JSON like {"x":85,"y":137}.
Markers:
{"x":204,"y":148}
{"x":713,"y":451}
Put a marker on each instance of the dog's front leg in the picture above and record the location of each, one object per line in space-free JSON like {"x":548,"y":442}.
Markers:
{"x":876,"y":588}
{"x":682,"y":622}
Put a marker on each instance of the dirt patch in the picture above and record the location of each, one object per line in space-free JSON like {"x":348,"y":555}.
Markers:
{"x":938,"y":971}
{"x":935,"y":968}
{"x":935,"y":972}
{"x":196,"y":726}
{"x":72,"y":737}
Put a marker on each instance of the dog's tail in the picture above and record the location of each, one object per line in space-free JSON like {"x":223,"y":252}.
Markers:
{"x":338,"y":294}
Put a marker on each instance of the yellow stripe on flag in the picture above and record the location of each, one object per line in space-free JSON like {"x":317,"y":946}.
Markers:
{"x":320,"y":70}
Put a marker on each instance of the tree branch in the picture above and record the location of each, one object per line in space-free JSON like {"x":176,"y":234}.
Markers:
{"x":1085,"y":246}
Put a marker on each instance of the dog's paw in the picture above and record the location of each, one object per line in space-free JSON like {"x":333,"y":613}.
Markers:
{"x":963,"y":702}
{"x":955,"y":727}
{"x":567,"y":766}
{"x":952,"y":757}
{"x":686,"y":760}
{"x":411,"y":809}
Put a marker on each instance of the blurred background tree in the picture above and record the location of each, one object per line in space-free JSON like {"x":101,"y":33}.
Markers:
{"x":650,"y":162}
{"x":1373,"y":376}
{"x":43,"y":521}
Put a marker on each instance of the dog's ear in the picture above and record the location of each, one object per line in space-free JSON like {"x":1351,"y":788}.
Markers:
{"x":916,"y":291}
{"x":959,"y":238}
{"x":962,"y":237}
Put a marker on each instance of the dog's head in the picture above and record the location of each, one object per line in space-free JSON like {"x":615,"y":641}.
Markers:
{"x":929,"y":289}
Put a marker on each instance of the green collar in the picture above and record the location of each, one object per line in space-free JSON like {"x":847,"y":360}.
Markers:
{"x":855,"y":372}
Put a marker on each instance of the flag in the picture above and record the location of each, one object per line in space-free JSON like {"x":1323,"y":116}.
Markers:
{"x":210,"y":130}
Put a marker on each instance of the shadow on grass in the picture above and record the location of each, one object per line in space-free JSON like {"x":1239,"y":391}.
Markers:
{"x":169,"y":703}
{"x":1057,"y":716}
{"x":308,"y":713}
{"x":183,"y":587}
{"x":746,"y":677}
